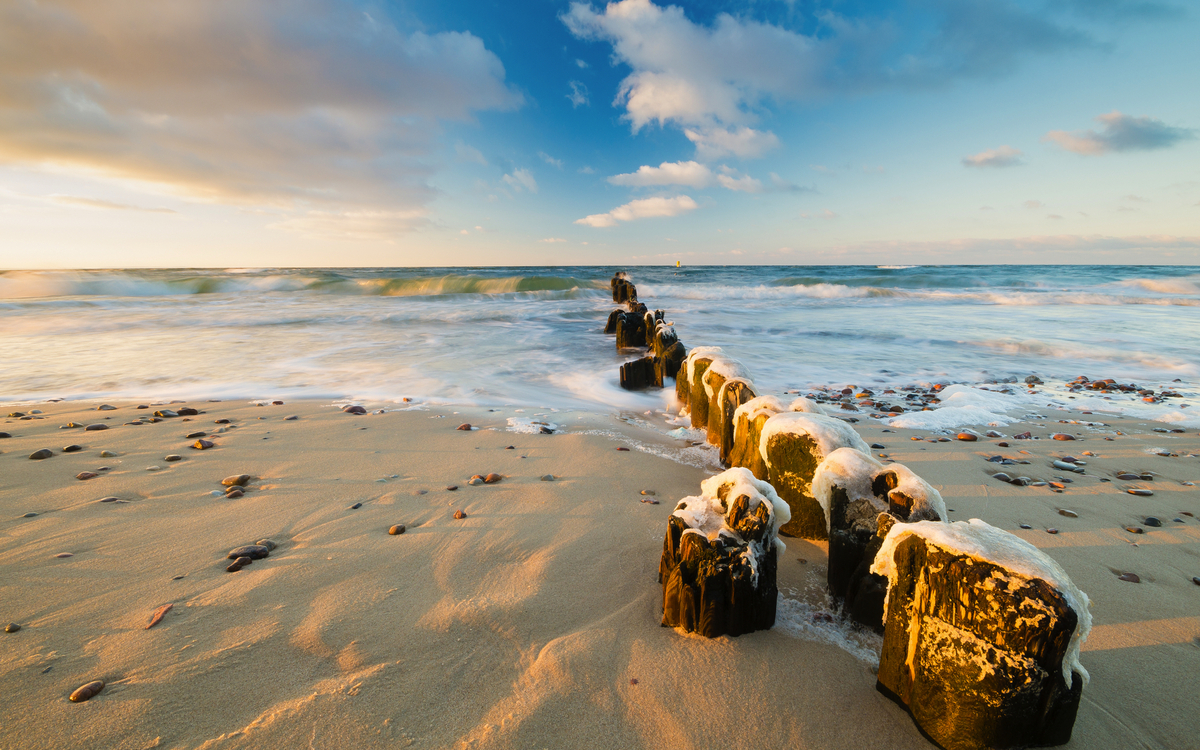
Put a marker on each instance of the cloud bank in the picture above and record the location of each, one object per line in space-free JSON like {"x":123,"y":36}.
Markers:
{"x":313,"y":104}
{"x":1120,"y":133}
{"x":641,"y":209}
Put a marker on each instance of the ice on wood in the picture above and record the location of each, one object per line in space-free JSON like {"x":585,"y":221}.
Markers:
{"x":853,"y":471}
{"x":720,"y":555}
{"x":982,"y":636}
{"x":792,"y":445}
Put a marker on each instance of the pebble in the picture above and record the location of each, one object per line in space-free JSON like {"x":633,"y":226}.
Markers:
{"x":87,"y":692}
{"x":1067,"y":513}
{"x":107,"y":454}
{"x":106,"y":407}
{"x":187,"y":411}
{"x":1002,"y":445}
{"x":12,"y":627}
{"x":222,"y":420}
{"x":464,"y":426}
{"x":31,"y":514}
{"x":993,"y":434}
{"x":475,"y":481}
{"x":38,"y":455}
{"x":1139,"y":492}
{"x":1152,"y":521}
{"x":452,"y":488}
{"x":1062,"y":436}
{"x":622,"y":448}
{"x":237,"y":480}
{"x":95,"y":427}
{"x":153,"y":468}
{"x":86,"y":475}
{"x":459,"y":514}
{"x":7,"y":435}
{"x":234,"y":493}
{"x":217,"y":493}
{"x":650,"y":500}
{"x":649,"y":492}
{"x":967,"y":436}
{"x":270,"y":545}
{"x":1127,"y":476}
{"x":16,"y":414}
{"x":253,"y":551}
{"x":202,"y":444}
{"x":108,"y":499}
{"x":235,"y":566}
{"x":73,"y":449}
{"x":397,"y":530}
{"x":492,"y":478}
{"x":1026,"y":526}
{"x":191,"y":435}
{"x":1051,"y":531}
{"x":878,"y":447}
{"x":1135,"y":529}
{"x":64,"y":555}
{"x":1131,"y":577}
{"x":1066,"y":466}
{"x":291,"y":418}
{"x":356,"y":506}
{"x":510,"y":448}
{"x":354,"y":410}
{"x":545,"y":430}
{"x":165,"y":413}
{"x":547,"y":477}
{"x":1002,"y":477}
{"x":1195,"y":580}
{"x":1023,"y":436}
{"x":172,"y":457}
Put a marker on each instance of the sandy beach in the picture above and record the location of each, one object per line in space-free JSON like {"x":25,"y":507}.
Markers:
{"x":531,"y":622}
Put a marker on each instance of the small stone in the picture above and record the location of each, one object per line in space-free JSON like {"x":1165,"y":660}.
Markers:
{"x":191,"y":435}
{"x":95,"y":427}
{"x":276,"y":403}
{"x":354,"y":410}
{"x":492,"y":478}
{"x":622,"y":448}
{"x":1002,"y":477}
{"x":452,"y":488}
{"x":649,"y":492}
{"x":187,"y":411}
{"x":153,"y":468}
{"x":38,"y":455}
{"x":270,"y":545}
{"x":1002,"y":445}
{"x":1062,"y":436}
{"x":650,"y":500}
{"x":545,"y":430}
{"x":87,"y":692}
{"x":12,"y":627}
{"x":16,"y":414}
{"x":1135,"y":529}
{"x":397,"y":530}
{"x":172,"y":457}
{"x":1196,"y":580}
{"x":202,"y":444}
{"x":1023,"y":436}
{"x":967,"y":436}
{"x":233,"y":567}
{"x":86,"y":475}
{"x":993,"y":434}
{"x":165,"y":413}
{"x":1146,"y":477}
{"x":1051,"y":531}
{"x":547,"y":477}
{"x":1131,"y":577}
{"x":234,"y":493}
{"x":877,"y":447}
{"x":1067,"y":513}
{"x":1139,"y":492}
{"x":464,"y":426}
{"x":105,"y":407}
{"x":1025,"y":526}
{"x":1152,"y":521}
{"x":73,"y":449}
{"x":64,"y":555}
{"x":253,"y":551}
{"x":237,"y":480}
{"x":107,"y":454}
{"x":510,"y":448}
{"x":221,"y":421}
{"x":30,"y":514}
{"x":1127,"y":476}
{"x":6,"y":435}
{"x":459,"y":514}
{"x":108,"y":499}
{"x":291,"y":418}
{"x":475,"y":481}
{"x":356,"y":506}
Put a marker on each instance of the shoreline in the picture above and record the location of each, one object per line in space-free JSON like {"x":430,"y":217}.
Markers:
{"x":526,"y":623}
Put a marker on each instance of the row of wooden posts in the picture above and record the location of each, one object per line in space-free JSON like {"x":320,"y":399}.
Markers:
{"x":727,"y":585}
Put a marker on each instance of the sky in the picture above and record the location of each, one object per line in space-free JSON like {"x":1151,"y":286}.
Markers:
{"x":258,"y":133}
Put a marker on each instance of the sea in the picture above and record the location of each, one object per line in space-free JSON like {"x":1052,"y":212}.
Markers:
{"x":504,"y":336}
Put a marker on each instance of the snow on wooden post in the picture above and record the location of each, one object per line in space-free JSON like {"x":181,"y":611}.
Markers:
{"x":792,"y":445}
{"x":982,"y":637}
{"x":719,"y":557}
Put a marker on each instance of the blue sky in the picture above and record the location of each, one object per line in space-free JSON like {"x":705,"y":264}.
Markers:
{"x":329,"y":133}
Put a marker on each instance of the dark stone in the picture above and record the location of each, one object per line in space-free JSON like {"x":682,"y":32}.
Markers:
{"x":945,"y":617}
{"x":187,"y":411}
{"x":87,"y":692}
{"x":166,"y":413}
{"x":72,"y":448}
{"x":237,"y":480}
{"x":354,"y":410}
{"x":1130,"y":577}
{"x":637,"y":374}
{"x":191,"y":435}
{"x":202,"y":445}
{"x":252,"y":551}
{"x":1139,"y":492}
{"x":4,"y":435}
{"x":356,"y":506}
{"x":878,"y":447}
{"x":95,"y":427}
{"x":270,"y":545}
{"x":465,"y":427}
{"x":12,"y":627}
{"x":221,"y":421}
{"x":1152,"y":521}
{"x":38,"y":455}
{"x":458,"y":514}
{"x":233,"y":493}
{"x":397,"y":530}
{"x":86,"y":475}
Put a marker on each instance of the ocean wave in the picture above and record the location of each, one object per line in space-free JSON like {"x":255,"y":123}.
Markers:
{"x":22,"y":285}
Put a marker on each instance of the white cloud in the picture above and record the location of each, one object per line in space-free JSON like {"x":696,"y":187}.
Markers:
{"x":553,"y":239}
{"x":550,"y":159}
{"x":644,"y":208}
{"x":586,"y":170}
{"x":744,"y":184}
{"x":1120,"y":133}
{"x":744,"y":142}
{"x":1005,"y":156}
{"x":581,"y":63}
{"x":689,"y":173}
{"x":578,"y":95}
{"x":520,"y":178}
